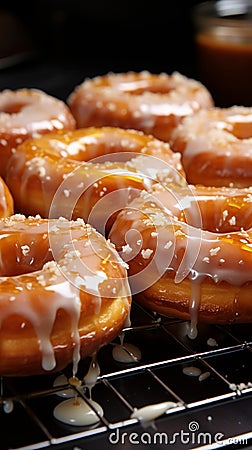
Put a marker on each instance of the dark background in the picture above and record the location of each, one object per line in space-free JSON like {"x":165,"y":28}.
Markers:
{"x":54,"y":44}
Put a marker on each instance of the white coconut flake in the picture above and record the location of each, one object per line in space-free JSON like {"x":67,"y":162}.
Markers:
{"x":25,"y":249}
{"x":214,"y":251}
{"x":146,"y":253}
{"x":126,"y":249}
{"x":206,"y":259}
{"x":232,"y":221}
{"x":225,"y":214}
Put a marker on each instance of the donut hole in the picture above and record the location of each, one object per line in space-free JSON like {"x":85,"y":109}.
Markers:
{"x":21,"y":256}
{"x":12,"y":108}
{"x":155,"y":88}
{"x":241,"y":130}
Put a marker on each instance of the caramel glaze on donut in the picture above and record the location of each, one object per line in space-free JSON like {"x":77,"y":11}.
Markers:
{"x":28,"y":113}
{"x":63,"y":294}
{"x":6,"y":200}
{"x":60,"y":164}
{"x":216,"y":146}
{"x":176,"y":265}
{"x":149,"y":102}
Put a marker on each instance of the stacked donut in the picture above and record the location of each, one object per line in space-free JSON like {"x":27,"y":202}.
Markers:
{"x":64,"y":287}
{"x":117,"y":162}
{"x":188,"y":247}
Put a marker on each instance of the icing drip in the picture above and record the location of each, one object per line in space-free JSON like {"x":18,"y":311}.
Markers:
{"x":60,"y":381}
{"x":196,"y":372}
{"x":92,"y":375}
{"x":85,"y":266}
{"x":212,"y":342}
{"x":126,"y":353}
{"x":8,"y":406}
{"x":193,"y":310}
{"x":147,"y":414}
{"x":192,"y":371}
{"x":77,"y":412}
{"x":168,"y":245}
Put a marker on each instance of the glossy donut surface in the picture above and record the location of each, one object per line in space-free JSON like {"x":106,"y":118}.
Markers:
{"x":152,"y":103}
{"x":216,"y":146}
{"x":63,"y":294}
{"x":189,"y":252}
{"x":75,"y":171}
{"x":28,"y":113}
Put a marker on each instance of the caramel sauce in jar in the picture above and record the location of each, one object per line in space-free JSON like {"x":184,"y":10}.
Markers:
{"x":223,"y":43}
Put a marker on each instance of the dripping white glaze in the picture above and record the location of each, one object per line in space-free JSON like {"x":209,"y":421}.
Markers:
{"x":212,"y":342}
{"x":77,"y":412}
{"x":174,"y":95}
{"x":149,"y":413}
{"x":38,"y":296}
{"x":61,"y":380}
{"x":185,"y":250}
{"x":211,"y":132}
{"x":203,"y":376}
{"x":193,"y":310}
{"x":39,"y":112}
{"x":93,"y":373}
{"x":126,"y":353}
{"x":8,"y":406}
{"x":192,"y":371}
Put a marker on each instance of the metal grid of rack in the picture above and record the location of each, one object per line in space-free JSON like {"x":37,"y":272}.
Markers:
{"x":209,"y":411}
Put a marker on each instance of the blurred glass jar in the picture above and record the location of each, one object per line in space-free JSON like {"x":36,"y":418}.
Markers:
{"x":223,"y":43}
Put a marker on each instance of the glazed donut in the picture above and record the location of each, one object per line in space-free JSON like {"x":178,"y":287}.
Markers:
{"x":152,"y":103}
{"x":26,"y":113}
{"x":57,"y":169}
{"x":6,"y":200}
{"x":63,"y":294}
{"x":216,"y":146}
{"x":189,"y":255}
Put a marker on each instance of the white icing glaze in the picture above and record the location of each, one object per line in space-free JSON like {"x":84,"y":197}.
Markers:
{"x":203,"y":376}
{"x":126,"y":353}
{"x":38,"y":112}
{"x":146,"y":98}
{"x":77,"y":412}
{"x":218,"y":132}
{"x":81,"y":255}
{"x":61,"y":380}
{"x":149,"y":413}
{"x":8,"y":406}
{"x":193,"y":310}
{"x":212,"y":342}
{"x":93,"y":373}
{"x":192,"y":371}
{"x":183,"y":250}
{"x":92,"y":190}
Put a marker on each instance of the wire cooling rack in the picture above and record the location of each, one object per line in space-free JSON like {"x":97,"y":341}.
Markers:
{"x":211,"y":410}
